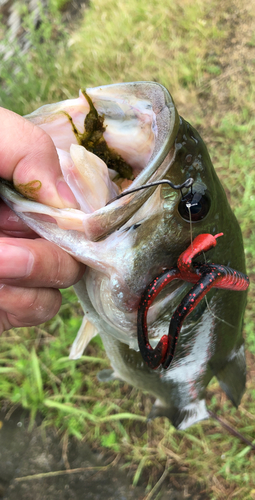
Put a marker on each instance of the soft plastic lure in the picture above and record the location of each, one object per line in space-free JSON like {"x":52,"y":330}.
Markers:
{"x":205,"y":276}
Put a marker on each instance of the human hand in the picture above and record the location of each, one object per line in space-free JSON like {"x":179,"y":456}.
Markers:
{"x":31,"y":269}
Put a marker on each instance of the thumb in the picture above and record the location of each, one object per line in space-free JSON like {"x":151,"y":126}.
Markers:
{"x":29,"y":158}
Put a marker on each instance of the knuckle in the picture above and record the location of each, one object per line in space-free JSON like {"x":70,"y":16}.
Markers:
{"x":42,"y":141}
{"x":65,"y":270}
{"x":59,"y":267}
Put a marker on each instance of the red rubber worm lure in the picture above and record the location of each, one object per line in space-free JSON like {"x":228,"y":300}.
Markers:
{"x":205,"y":276}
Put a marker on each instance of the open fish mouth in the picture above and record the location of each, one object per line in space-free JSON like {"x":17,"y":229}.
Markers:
{"x":107,"y":139}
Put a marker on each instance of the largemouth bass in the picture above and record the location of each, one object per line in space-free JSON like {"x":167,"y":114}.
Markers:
{"x":120,"y":137}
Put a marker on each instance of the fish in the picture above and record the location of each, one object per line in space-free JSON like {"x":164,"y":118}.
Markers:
{"x":115,"y":139}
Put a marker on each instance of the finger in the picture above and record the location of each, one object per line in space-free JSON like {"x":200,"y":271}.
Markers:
{"x":12,"y":225}
{"x":27,"y":306}
{"x":29,"y":158}
{"x":37,"y":263}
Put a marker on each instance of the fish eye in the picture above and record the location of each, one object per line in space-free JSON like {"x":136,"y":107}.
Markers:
{"x":194,"y":206}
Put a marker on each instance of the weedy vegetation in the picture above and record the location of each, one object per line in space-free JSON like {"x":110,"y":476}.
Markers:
{"x":204,"y":53}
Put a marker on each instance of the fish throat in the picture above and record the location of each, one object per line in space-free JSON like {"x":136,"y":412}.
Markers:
{"x":93,"y":140}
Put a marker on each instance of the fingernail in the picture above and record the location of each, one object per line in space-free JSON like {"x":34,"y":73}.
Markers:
{"x":66,"y":194}
{"x":15,"y":261}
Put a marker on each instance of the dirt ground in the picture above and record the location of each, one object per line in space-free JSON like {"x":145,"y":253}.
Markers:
{"x":36,"y":465}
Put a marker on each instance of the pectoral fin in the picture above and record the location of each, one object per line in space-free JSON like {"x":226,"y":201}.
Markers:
{"x":107,"y":375}
{"x":86,"y":333}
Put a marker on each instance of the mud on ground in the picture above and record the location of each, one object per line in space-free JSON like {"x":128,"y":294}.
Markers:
{"x":36,"y":465}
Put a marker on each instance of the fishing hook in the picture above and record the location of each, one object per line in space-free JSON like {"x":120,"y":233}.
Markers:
{"x":186,"y":184}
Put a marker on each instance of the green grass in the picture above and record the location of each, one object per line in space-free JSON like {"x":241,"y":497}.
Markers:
{"x":203,"y":52}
